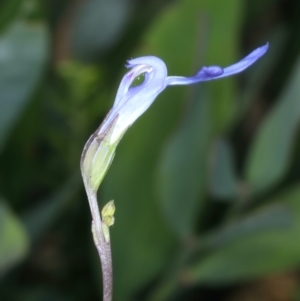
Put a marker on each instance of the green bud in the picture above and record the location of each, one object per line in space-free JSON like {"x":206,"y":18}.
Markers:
{"x":97,"y":156}
{"x":108,"y":212}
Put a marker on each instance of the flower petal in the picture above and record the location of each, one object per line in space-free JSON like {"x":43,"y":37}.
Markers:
{"x":215,"y":72}
{"x":132,"y":102}
{"x":128,"y":79}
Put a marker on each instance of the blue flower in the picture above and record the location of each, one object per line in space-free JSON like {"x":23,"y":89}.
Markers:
{"x":132,"y":102}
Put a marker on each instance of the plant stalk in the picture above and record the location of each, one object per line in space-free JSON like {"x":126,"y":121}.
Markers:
{"x":102,"y":245}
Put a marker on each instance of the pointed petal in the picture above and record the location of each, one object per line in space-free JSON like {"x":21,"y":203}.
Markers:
{"x":215,"y":72}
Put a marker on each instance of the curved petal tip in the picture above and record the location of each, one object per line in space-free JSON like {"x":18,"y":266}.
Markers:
{"x":215,"y":72}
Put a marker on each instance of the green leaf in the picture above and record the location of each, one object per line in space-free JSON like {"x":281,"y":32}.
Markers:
{"x":275,"y":216}
{"x":223,"y":42}
{"x":269,"y":155}
{"x":14,"y":242}
{"x":98,"y":25}
{"x":223,"y":180}
{"x":190,"y":35}
{"x":41,"y":217}
{"x":23,"y":53}
{"x":182,"y":173}
{"x":263,"y":243}
{"x":259,"y":73}
{"x":181,"y":59}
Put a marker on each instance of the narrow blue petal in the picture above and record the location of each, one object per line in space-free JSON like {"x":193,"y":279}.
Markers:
{"x":215,"y":72}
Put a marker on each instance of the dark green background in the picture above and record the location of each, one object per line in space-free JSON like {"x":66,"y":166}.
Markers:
{"x":206,"y":182}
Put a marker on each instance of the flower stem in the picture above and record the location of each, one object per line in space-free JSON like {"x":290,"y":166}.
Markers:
{"x":102,"y":245}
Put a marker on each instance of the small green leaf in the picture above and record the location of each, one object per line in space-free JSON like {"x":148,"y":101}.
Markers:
{"x":269,"y":156}
{"x":14,"y":241}
{"x":223,"y":180}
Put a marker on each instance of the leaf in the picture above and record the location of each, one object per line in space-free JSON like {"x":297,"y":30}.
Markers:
{"x":14,"y":241}
{"x":23,"y":53}
{"x":182,"y":173}
{"x":269,"y":155}
{"x":275,"y":216}
{"x":260,"y":72}
{"x":98,"y":26}
{"x":223,"y":45}
{"x":255,"y":250}
{"x":41,"y":217}
{"x":223,"y":180}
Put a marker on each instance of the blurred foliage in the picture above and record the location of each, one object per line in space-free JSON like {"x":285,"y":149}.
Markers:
{"x":14,"y":239}
{"x":205,"y":183}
